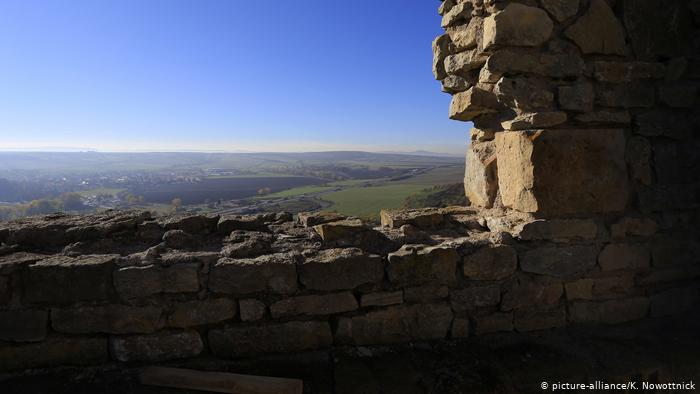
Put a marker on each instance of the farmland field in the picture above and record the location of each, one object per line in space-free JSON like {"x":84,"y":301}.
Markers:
{"x":368,"y":201}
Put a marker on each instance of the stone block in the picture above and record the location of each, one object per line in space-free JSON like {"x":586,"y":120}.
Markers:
{"x":341,"y":230}
{"x":536,"y":120}
{"x":609,"y":312}
{"x":428,"y":218}
{"x":441,"y":48}
{"x":664,"y":123}
{"x":10,"y":263}
{"x":667,"y":275}
{"x":675,"y":301}
{"x":417,"y":264}
{"x":341,"y":269}
{"x":559,"y":261}
{"x":527,"y":94}
{"x":556,"y":172}
{"x":201,"y":312}
{"x":455,"y":84}
{"x":497,"y":322}
{"x":638,"y":156}
{"x":108,"y":319}
{"x":382,"y":298}
{"x":561,"y":10}
{"x":679,"y":96}
{"x":252,"y":309}
{"x":616,"y":72}
{"x":577,"y":97}
{"x":475,"y":297}
{"x":513,"y":61}
{"x":192,"y":224}
{"x":146,"y":280}
{"x":55,"y":351}
{"x":491,"y":263}
{"x":5,"y":294}
{"x":481,"y":174}
{"x":23,"y":325}
{"x":157,"y":347}
{"x":613,"y":118}
{"x":539,"y":319}
{"x":398,"y":324}
{"x":465,"y":37}
{"x":517,"y":25}
{"x":466,"y":106}
{"x":275,"y":273}
{"x":310,"y":219}
{"x":228,"y":224}
{"x":238,"y":341}
{"x":460,"y":328}
{"x":670,"y":250}
{"x":598,"y":31}
{"x":310,"y":305}
{"x":562,"y":230}
{"x":425,"y":294}
{"x":624,"y":256}
{"x":180,"y":240}
{"x":658,"y":28}
{"x":529,"y":291}
{"x":625,"y":95}
{"x":63,"y":279}
{"x":463,"y":62}
{"x":460,"y":13}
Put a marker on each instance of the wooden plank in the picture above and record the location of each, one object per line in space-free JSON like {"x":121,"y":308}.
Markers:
{"x":219,"y":382}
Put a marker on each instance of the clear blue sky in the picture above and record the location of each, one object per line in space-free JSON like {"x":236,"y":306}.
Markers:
{"x":222,"y":75}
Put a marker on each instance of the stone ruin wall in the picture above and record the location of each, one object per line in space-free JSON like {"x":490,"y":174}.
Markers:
{"x":581,"y":175}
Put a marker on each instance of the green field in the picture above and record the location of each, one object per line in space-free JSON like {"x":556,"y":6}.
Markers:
{"x":368,"y":201}
{"x":297,"y":191}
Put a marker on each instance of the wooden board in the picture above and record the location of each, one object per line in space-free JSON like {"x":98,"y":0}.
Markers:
{"x":219,"y":382}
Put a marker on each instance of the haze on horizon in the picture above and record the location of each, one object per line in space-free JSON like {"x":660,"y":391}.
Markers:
{"x":222,"y":76}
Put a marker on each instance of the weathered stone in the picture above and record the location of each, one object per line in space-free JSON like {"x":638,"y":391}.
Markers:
{"x":598,"y":31}
{"x":252,"y":309}
{"x":55,"y":351}
{"x":632,"y":227}
{"x":465,"y":37}
{"x":533,"y":320}
{"x":581,"y":289}
{"x":460,"y":328}
{"x":605,"y":117}
{"x":576,"y":171}
{"x":422,"y":218}
{"x":623,"y":256}
{"x":658,"y":28}
{"x":512,"y":61}
{"x":660,"y":123}
{"x":517,"y":25}
{"x":197,"y":313}
{"x":679,"y":96}
{"x":288,"y":337}
{"x":561,"y":10}
{"x":248,"y":244}
{"x":675,"y":301}
{"x":672,"y":250}
{"x":527,"y":292}
{"x":600,"y":288}
{"x":557,"y":230}
{"x":15,"y":261}
{"x":416,"y":264}
{"x":455,"y":84}
{"x":143,"y":281}
{"x":275,"y":273}
{"x":463,"y":62}
{"x":151,"y":231}
{"x":341,"y":269}
{"x":5,"y":294}
{"x":311,"y":305}
{"x":157,"y":347}
{"x":382,"y":298}
{"x":471,"y":298}
{"x":616,"y":72}
{"x":23,"y":325}
{"x":400,"y":324}
{"x":353,"y":233}
{"x":441,"y":49}
{"x":310,"y":219}
{"x":480,"y":176}
{"x":626,"y":95}
{"x":577,"y":97}
{"x":479,"y":135}
{"x":108,"y":319}
{"x":638,"y":155}
{"x":194,"y":224}
{"x":535,"y":120}
{"x":671,"y":274}
{"x":559,"y":261}
{"x":467,"y":105}
{"x":492,"y":263}
{"x":609,"y":312}
{"x":459,"y":13}
{"x":496,"y":322}
{"x":446,"y":6}
{"x":62,"y":279}
{"x":227,"y":224}
{"x":523,"y":93}
{"x":424,"y":294}
{"x":179,"y":239}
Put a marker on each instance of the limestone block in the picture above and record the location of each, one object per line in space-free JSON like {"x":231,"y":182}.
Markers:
{"x":624,"y":256}
{"x":577,"y":97}
{"x":424,"y":294}
{"x":517,"y":25}
{"x":467,"y":105}
{"x":287,"y":337}
{"x":455,"y":84}
{"x":402,"y":323}
{"x":561,"y":10}
{"x":481,"y":176}
{"x":63,"y":279}
{"x":535,"y":120}
{"x":539,"y":319}
{"x":460,"y":328}
{"x":598,"y":31}
{"x":633,"y":227}
{"x":675,"y":125}
{"x":675,"y":301}
{"x":475,"y":297}
{"x":658,"y":28}
{"x":559,"y":261}
{"x":275,"y":273}
{"x":672,"y":274}
{"x":143,"y":281}
{"x":446,"y":6}
{"x":555,"y":172}
{"x":523,"y":93}
{"x":310,"y":219}
{"x":340,"y":230}
{"x":311,"y":305}
{"x":23,"y":325}
{"x":427,"y":218}
{"x":605,"y":118}
{"x":625,"y":95}
{"x":513,"y":61}
{"x":179,"y":239}
{"x":382,"y":298}
{"x":463,"y":62}
{"x":465,"y":37}
{"x":491,"y":263}
{"x":496,"y":322}
{"x":441,"y":48}
{"x":341,"y":269}
{"x":157,"y":347}
{"x":227,"y":224}
{"x":458,"y":14}
{"x":557,"y":230}
{"x":108,"y":319}
{"x":55,"y":351}
{"x":193,"y":224}
{"x":616,"y":72}
{"x":201,"y":312}
{"x":417,"y":264}
{"x":609,"y":312}
{"x":252,"y":309}
{"x":677,"y":249}
{"x":529,"y":291}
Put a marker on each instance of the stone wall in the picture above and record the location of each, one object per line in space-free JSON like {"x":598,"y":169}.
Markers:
{"x":124,"y":287}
